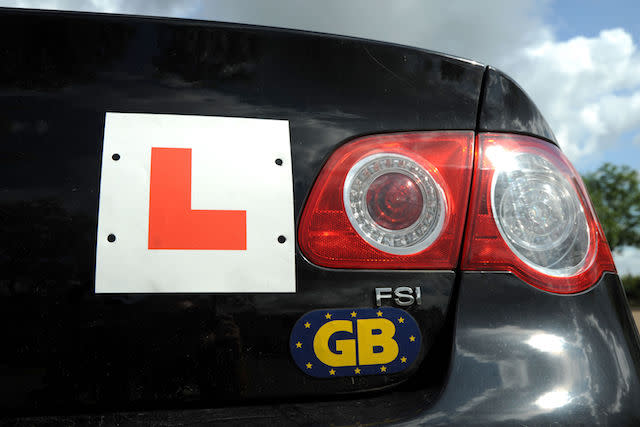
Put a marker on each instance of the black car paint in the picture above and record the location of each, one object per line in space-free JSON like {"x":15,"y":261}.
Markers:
{"x":496,"y":378}
{"x":75,"y":350}
{"x":72,"y":351}
{"x":507,"y":108}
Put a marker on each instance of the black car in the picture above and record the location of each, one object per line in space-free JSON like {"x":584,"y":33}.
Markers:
{"x":213,"y":223}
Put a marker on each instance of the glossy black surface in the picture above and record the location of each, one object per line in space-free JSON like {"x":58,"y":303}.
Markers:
{"x":507,"y":108}
{"x":506,"y":353}
{"x":68,"y":350}
{"x":521,"y":356}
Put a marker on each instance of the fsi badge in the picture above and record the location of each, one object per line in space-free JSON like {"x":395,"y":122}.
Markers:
{"x":354,"y":342}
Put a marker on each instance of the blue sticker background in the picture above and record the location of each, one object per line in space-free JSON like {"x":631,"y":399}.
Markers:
{"x":407,"y":336}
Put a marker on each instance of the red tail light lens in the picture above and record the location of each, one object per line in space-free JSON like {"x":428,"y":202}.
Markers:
{"x":394,"y":201}
{"x":530,"y":214}
{"x":390,"y":201}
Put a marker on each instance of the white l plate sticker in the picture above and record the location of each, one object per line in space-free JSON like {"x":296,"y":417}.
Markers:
{"x":195,"y":204}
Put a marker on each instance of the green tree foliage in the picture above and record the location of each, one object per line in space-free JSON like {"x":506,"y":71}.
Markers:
{"x":632,"y":288}
{"x":615,"y":193}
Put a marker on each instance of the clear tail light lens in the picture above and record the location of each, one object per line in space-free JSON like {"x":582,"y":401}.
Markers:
{"x":530,"y":214}
{"x":390,"y":201}
{"x":394,"y":203}
{"x":540,"y":216}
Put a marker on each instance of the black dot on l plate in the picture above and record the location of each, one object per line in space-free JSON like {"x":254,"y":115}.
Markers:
{"x":279,"y":162}
{"x":116,"y":157}
{"x":111,"y":238}
{"x":282,"y":239}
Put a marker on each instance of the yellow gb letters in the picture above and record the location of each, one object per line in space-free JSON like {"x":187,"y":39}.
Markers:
{"x":347,"y":348}
{"x":367,"y":341}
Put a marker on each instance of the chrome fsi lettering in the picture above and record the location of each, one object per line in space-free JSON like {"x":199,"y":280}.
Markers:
{"x":404,"y":295}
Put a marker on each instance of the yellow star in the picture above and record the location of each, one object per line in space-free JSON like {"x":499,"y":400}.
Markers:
{"x":403,"y":359}
{"x":309,"y":365}
{"x":327,"y":316}
{"x":383,"y":369}
{"x":298,"y":344}
{"x":307,"y":325}
{"x":379,"y":313}
{"x":357,"y":370}
{"x":354,"y":314}
{"x":412,"y":338}
{"x":332,"y":372}
{"x":401,"y":320}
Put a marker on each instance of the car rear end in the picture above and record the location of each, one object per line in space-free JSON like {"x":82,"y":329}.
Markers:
{"x":205,"y":222}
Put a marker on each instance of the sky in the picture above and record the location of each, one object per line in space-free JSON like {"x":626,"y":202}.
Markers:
{"x":577,"y":60}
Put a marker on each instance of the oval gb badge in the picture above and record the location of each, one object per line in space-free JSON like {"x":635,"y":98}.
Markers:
{"x":355,"y":341}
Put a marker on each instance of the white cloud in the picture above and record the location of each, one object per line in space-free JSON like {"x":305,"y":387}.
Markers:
{"x":628,"y":261}
{"x":140,"y":7}
{"x":587,"y":88}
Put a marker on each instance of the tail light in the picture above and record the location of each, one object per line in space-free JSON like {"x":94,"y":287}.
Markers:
{"x":395,"y":203}
{"x":399,"y":201}
{"x":530,"y":214}
{"x":390,"y":201}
